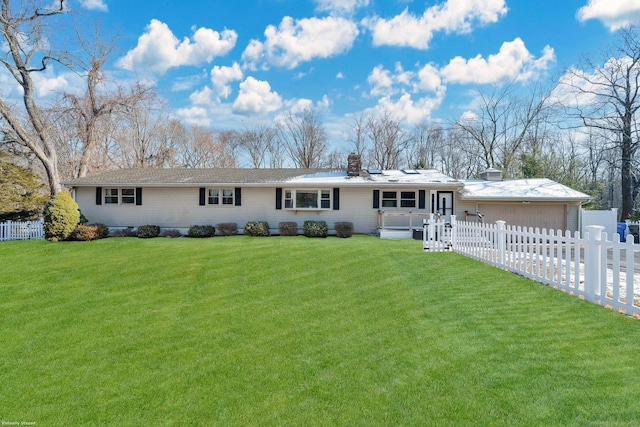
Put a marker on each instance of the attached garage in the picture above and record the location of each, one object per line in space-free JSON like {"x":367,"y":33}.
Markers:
{"x":548,"y":216}
{"x":537,"y":202}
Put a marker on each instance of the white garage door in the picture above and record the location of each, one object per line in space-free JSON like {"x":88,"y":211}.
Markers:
{"x":548,"y":216}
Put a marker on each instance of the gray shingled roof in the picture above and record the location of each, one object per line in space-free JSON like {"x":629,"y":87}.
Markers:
{"x":191,"y":176}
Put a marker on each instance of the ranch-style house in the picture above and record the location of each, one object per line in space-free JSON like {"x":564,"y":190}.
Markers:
{"x":369,"y":198}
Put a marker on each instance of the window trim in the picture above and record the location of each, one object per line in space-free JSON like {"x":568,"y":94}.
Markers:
{"x":397,"y":198}
{"x":121,"y":199}
{"x":225,"y":196}
{"x":324,"y":199}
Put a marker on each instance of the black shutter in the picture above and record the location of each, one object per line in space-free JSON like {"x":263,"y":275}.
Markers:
{"x":422,"y":199}
{"x":138,"y":196}
{"x":238,"y":192}
{"x":278,"y":198}
{"x":336,"y":199}
{"x":98,"y":195}
{"x":203,"y":196}
{"x":376,"y":199}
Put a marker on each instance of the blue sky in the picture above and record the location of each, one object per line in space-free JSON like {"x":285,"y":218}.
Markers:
{"x":221,"y":62}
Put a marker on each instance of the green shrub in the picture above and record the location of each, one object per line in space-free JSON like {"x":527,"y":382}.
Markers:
{"x":344,"y":229}
{"x":172,"y":233}
{"x":257,"y":229}
{"x":288,"y":228}
{"x":201,"y":231}
{"x":227,"y":228}
{"x":61,"y":215}
{"x":125,"y":232}
{"x":315,"y":229}
{"x":148,"y":231}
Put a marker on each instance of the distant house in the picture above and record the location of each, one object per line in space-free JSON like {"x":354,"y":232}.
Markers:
{"x":179,"y":198}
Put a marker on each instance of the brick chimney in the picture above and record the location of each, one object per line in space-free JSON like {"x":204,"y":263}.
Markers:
{"x":353,"y":165}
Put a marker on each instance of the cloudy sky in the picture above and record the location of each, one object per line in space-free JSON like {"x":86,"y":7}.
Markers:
{"x":221,"y":62}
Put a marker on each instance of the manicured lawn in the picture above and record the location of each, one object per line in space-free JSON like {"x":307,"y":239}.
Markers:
{"x":297,"y":331}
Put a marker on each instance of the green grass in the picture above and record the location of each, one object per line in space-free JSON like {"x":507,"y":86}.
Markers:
{"x":298,"y":331}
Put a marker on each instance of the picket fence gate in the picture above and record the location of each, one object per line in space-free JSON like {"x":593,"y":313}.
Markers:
{"x":21,"y":230}
{"x":591,"y":266}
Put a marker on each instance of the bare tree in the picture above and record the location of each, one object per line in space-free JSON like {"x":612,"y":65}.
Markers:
{"x":28,"y":53}
{"x":304,"y":137}
{"x":426,"y":143}
{"x":256,"y":141}
{"x":497,"y":130}
{"x":98,"y":101}
{"x":142,"y":133}
{"x":388,"y":140}
{"x":610,"y":85}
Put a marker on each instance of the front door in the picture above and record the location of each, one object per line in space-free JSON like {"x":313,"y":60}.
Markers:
{"x":444,"y":204}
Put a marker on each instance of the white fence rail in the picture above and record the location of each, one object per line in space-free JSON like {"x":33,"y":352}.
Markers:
{"x":591,"y":267}
{"x":23,"y":230}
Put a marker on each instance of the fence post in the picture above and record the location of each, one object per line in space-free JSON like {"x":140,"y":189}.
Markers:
{"x":424,"y":234}
{"x":592,"y":259}
{"x":501,"y":242}
{"x":454,"y":224}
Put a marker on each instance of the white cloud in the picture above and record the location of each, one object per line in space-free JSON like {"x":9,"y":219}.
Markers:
{"x":196,"y":116}
{"x":159,"y":49}
{"x":457,"y":16}
{"x":512,"y":62}
{"x":408,"y":110}
{"x":94,"y":5}
{"x":256,"y":97}
{"x":381,"y":81}
{"x":205,"y":96}
{"x":428,"y":79}
{"x":346,"y":7}
{"x":299,"y":41}
{"x":613,"y":13}
{"x":222,"y":76}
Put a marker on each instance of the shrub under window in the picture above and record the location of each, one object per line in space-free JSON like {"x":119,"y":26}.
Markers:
{"x":288,"y":228}
{"x":315,"y":229}
{"x":227,"y":228}
{"x":257,"y":228}
{"x":148,"y":231}
{"x":201,"y":231}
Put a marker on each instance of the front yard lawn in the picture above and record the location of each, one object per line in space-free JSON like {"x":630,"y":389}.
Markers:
{"x":299,"y":331}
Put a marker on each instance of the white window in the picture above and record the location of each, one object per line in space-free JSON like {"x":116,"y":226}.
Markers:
{"x":111,"y":196}
{"x":128,"y":196}
{"x":408,"y":199}
{"x":307,"y":199}
{"x":389,"y":199}
{"x":115,"y":196}
{"x":220,"y":196}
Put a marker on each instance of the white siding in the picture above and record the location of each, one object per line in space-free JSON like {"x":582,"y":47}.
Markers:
{"x":179,"y":208}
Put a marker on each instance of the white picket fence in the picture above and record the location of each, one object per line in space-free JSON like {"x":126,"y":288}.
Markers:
{"x":591,"y":267}
{"x":21,"y":230}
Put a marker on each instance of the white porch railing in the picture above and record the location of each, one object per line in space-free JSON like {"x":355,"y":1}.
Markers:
{"x":21,"y":230}
{"x":591,"y":267}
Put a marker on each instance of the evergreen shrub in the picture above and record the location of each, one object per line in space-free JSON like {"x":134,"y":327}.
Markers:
{"x":257,"y":229}
{"x":201,"y":231}
{"x":61,"y":215}
{"x":148,"y":231}
{"x":315,"y":229}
